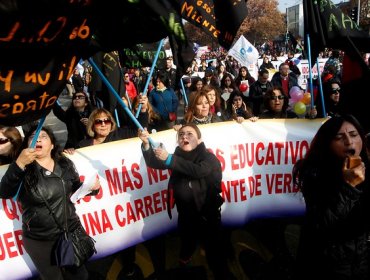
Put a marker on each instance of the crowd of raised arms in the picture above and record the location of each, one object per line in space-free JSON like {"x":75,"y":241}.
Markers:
{"x":215,"y":88}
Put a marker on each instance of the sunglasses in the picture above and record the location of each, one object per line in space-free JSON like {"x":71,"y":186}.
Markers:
{"x":79,"y":97}
{"x":4,"y":141}
{"x":335,"y":90}
{"x":100,"y":122}
{"x":280,"y":97}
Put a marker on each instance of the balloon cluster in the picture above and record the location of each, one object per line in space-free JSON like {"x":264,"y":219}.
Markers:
{"x":298,"y":100}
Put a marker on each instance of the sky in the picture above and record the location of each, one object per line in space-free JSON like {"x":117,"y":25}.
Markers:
{"x":283,"y":4}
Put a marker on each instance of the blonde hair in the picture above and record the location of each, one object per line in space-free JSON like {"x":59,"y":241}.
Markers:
{"x":93,"y":116}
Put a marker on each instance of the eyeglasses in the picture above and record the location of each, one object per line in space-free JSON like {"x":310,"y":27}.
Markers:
{"x":4,"y":141}
{"x":280,"y":97}
{"x":335,"y":90}
{"x":78,"y":97}
{"x":42,"y":136}
{"x":100,"y":122}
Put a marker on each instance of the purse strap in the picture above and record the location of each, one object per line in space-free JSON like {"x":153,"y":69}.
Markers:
{"x":65,"y":228}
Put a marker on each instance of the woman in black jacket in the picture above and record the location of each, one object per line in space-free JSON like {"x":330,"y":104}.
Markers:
{"x":195,"y":183}
{"x":75,"y":118}
{"x":333,"y":243}
{"x":44,"y":173}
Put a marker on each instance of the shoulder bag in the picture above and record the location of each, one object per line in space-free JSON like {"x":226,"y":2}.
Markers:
{"x":73,"y":248}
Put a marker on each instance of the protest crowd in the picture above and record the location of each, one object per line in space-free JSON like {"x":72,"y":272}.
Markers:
{"x":331,"y":241}
{"x":228,"y":92}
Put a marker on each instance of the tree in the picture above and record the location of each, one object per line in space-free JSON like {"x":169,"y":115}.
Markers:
{"x":264,"y":21}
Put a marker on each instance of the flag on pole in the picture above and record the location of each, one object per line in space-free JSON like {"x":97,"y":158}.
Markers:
{"x":244,"y":52}
{"x":328,"y":27}
{"x":220,"y":19}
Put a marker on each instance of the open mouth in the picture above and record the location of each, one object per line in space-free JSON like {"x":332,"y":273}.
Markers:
{"x":38,"y":147}
{"x":350,"y":152}
{"x":186,"y":142}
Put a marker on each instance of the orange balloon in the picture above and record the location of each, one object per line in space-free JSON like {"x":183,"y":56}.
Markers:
{"x":306,"y":99}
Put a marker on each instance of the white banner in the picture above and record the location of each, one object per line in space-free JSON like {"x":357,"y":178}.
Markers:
{"x":302,"y":65}
{"x":256,"y":158}
{"x":244,"y":52}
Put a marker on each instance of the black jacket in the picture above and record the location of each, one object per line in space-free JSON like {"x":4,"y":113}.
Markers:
{"x":256,"y":92}
{"x":75,"y":128}
{"x":56,"y":187}
{"x":333,"y":243}
{"x":195,"y":180}
{"x":276,"y":80}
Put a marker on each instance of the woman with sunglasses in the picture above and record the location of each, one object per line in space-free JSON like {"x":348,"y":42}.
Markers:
{"x":75,"y":118}
{"x":102,"y":128}
{"x":333,"y":107}
{"x":10,"y":143}
{"x":276,"y":105}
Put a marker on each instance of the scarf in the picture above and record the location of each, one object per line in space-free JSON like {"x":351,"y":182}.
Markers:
{"x":199,"y":186}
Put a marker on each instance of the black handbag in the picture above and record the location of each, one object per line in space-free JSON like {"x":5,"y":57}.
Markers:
{"x":63,"y":251}
{"x":73,"y":248}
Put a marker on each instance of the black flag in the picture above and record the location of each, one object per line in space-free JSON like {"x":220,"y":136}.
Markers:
{"x":220,"y":19}
{"x":327,"y":26}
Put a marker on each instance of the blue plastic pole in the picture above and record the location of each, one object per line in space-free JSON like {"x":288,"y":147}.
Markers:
{"x":32,"y":145}
{"x":117,"y":119}
{"x":107,"y":83}
{"x":321,"y":90}
{"x":184,"y":92}
{"x":150,"y":74}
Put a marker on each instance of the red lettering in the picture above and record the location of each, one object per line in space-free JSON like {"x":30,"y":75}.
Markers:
{"x":270,"y":158}
{"x":95,"y":224}
{"x":114,"y":182}
{"x":221,"y":159}
{"x":11,"y":245}
{"x":259,"y":160}
{"x":10,"y":211}
{"x":135,"y":170}
{"x":139,"y":209}
{"x":130,"y":213}
{"x":127,"y":183}
{"x":156,"y":175}
{"x":280,"y":183}
{"x":118,"y":210}
{"x":234,"y":158}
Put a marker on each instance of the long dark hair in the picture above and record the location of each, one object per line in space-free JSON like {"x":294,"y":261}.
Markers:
{"x":267,"y":97}
{"x":320,"y":156}
{"x":31,"y":176}
{"x":88,"y":108}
